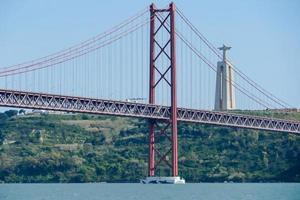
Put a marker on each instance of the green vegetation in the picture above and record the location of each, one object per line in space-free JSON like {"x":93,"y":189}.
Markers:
{"x":89,"y":148}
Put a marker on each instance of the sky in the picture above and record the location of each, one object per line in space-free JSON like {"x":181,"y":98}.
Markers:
{"x":263,"y":34}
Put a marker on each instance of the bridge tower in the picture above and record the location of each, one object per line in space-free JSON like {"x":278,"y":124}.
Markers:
{"x":225,"y":94}
{"x":158,"y":22}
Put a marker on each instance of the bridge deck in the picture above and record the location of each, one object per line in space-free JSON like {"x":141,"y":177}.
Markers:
{"x":21,"y":99}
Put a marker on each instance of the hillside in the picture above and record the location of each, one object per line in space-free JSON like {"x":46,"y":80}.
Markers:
{"x":90,"y":148}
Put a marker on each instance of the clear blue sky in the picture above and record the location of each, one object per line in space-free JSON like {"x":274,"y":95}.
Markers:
{"x":264,"y":34}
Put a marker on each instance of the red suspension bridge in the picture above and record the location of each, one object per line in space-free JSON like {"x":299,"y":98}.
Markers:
{"x":163,"y":60}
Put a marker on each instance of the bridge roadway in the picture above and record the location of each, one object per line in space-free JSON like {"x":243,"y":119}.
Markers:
{"x":22,"y":99}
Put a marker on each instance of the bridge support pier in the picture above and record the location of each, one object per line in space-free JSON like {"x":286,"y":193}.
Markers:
{"x":151,"y":161}
{"x":165,"y":18}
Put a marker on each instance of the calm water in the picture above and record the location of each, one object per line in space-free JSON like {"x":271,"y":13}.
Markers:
{"x":213,"y":191}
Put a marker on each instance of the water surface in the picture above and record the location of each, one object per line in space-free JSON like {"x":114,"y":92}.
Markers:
{"x":98,"y":191}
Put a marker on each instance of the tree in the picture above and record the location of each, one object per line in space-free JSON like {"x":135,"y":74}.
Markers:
{"x":22,"y":111}
{"x":3,"y":117}
{"x":84,"y":117}
{"x":2,"y":137}
{"x":11,"y":113}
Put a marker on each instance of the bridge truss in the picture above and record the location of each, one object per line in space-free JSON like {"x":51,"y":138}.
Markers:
{"x":53,"y":102}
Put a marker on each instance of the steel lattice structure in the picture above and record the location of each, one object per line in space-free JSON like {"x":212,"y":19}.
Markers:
{"x":159,"y":49}
{"x":20,"y":99}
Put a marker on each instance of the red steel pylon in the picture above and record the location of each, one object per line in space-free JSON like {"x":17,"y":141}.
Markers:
{"x":167,"y":23}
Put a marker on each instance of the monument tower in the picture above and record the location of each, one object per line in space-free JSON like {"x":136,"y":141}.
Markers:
{"x":225,"y":94}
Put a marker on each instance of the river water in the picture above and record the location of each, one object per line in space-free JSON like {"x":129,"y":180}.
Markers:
{"x":199,"y":191}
